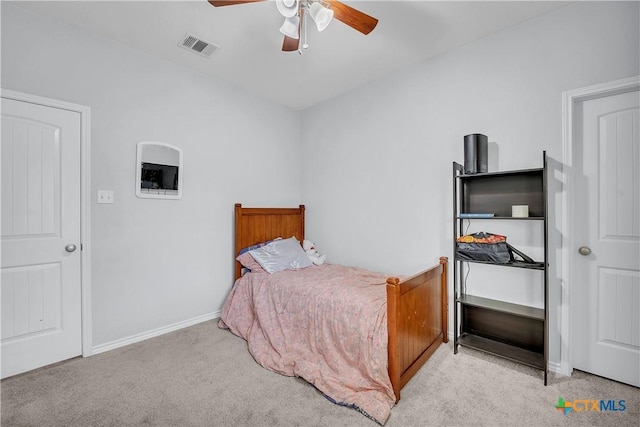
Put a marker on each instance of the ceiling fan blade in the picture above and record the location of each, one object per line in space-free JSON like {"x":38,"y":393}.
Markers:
{"x":231,"y":2}
{"x":352,"y":17}
{"x":289,"y":44}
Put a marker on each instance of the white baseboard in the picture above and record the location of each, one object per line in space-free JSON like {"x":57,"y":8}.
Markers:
{"x":153,"y":333}
{"x":557,"y":368}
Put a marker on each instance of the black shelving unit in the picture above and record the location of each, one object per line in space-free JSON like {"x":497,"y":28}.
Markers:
{"x":512,"y":331}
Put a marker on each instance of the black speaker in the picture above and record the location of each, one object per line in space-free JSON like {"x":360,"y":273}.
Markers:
{"x":482,"y":154}
{"x":476,"y":153}
{"x":470,"y":154}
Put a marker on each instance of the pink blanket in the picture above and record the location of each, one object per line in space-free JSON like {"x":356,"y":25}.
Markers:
{"x":326,"y":324}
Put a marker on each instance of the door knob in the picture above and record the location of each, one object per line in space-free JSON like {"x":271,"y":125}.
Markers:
{"x":70,"y":248}
{"x":584,"y":250}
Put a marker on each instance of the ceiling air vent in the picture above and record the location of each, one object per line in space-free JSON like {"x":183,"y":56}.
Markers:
{"x":197,"y":45}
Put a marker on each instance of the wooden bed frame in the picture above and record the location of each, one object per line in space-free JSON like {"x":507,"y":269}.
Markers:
{"x":416,"y":305}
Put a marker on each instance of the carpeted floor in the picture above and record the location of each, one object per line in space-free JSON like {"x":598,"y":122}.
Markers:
{"x":204,"y":376}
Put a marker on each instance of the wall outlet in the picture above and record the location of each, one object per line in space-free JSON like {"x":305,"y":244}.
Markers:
{"x":105,"y":196}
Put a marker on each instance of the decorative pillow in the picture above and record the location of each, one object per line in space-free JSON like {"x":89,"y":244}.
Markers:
{"x":249,"y":263}
{"x":247,"y":260}
{"x":284,"y":254}
{"x":257,"y":245}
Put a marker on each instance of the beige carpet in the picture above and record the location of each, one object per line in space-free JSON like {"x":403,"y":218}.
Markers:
{"x":204,"y":376}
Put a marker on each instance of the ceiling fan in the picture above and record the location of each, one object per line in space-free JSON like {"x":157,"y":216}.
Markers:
{"x":321,"y":11}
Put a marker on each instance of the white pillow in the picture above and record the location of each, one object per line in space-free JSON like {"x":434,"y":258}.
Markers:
{"x":285,"y":254}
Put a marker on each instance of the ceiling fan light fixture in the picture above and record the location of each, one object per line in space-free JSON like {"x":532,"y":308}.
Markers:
{"x":321,"y":15}
{"x":288,"y":8}
{"x":290,"y":27}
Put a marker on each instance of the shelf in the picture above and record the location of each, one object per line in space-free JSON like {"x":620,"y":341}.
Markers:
{"x":506,"y":351}
{"x":528,"y":218}
{"x":512,"y":331}
{"x":515,"y":264}
{"x":497,"y":192}
{"x":532,"y":171}
{"x":502,"y":306}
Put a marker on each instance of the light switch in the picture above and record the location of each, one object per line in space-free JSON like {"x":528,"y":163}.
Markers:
{"x":105,"y":196}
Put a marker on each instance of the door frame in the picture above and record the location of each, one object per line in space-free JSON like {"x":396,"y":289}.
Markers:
{"x":569,"y":101}
{"x":85,"y":202}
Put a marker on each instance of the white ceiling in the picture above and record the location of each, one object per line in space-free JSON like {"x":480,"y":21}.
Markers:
{"x":339,"y":58}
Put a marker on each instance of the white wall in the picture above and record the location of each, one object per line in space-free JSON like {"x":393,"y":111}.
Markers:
{"x":377,"y":181}
{"x":156,"y":262}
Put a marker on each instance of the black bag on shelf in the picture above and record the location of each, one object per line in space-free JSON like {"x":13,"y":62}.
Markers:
{"x":484,"y":246}
{"x":488,"y":247}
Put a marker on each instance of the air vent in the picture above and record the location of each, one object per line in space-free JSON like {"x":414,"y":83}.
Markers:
{"x":197,"y":45}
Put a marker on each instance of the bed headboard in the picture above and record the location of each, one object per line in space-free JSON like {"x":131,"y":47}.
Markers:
{"x":256,"y":225}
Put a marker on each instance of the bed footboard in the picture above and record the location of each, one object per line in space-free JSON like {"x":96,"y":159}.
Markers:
{"x":416,"y":320}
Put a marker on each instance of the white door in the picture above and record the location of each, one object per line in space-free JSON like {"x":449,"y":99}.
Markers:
{"x":40,"y":278}
{"x":605,"y":289}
